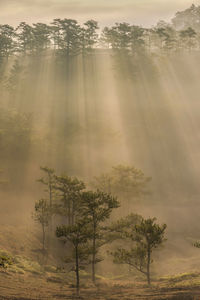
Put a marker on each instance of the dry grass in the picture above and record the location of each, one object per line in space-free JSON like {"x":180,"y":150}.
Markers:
{"x":27,"y":279}
{"x":49,"y":286}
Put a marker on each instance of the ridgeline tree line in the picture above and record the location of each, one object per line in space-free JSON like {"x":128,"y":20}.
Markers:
{"x":68,"y":38}
{"x":82,"y":219}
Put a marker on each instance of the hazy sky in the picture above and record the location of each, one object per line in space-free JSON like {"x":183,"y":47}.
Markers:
{"x":142,"y":12}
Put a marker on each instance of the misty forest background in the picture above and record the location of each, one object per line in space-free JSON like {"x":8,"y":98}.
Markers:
{"x":82,"y":100}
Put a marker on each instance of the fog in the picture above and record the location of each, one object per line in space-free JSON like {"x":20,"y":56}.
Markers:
{"x":98,"y":112}
{"x":146,"y":12}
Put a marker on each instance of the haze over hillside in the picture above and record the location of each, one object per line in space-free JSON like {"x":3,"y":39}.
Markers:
{"x":99,"y":143}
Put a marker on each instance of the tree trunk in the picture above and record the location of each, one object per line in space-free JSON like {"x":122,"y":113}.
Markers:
{"x":69,"y":213}
{"x":73,"y":212}
{"x":148,"y":265}
{"x":94,"y":255}
{"x":93,"y":268}
{"x":43,"y":238}
{"x":50,"y":204}
{"x":77,"y":271}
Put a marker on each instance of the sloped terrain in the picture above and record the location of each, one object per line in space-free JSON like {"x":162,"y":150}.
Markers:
{"x":58,"y":286}
{"x":27,"y":278}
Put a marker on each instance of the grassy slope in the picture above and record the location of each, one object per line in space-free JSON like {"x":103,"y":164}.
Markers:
{"x":59,"y":286}
{"x":27,"y":279}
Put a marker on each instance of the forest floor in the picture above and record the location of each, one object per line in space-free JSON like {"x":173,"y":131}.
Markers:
{"x":48,"y":286}
{"x":27,"y":279}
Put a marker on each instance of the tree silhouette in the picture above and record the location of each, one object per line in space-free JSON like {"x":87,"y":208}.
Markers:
{"x":96,"y":207}
{"x":143,"y":239}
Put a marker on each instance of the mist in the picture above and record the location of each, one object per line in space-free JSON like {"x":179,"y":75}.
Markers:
{"x":111,"y":116}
